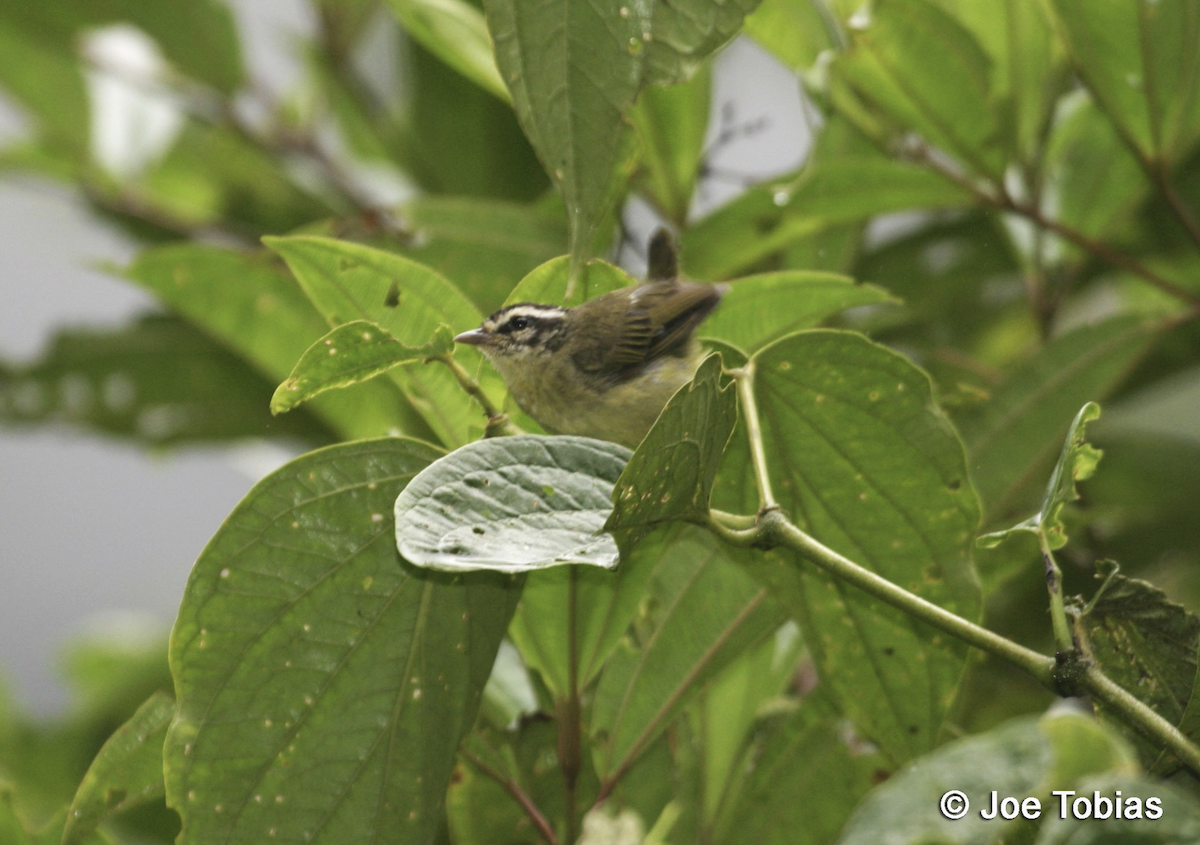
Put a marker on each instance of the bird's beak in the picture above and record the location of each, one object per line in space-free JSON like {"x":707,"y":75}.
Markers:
{"x":475,"y":337}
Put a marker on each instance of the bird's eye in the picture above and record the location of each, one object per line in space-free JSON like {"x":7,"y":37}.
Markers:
{"x":516,"y":324}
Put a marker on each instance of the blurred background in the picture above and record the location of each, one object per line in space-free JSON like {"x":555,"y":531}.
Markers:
{"x":98,"y":534}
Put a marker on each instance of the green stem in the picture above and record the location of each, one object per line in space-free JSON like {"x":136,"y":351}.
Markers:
{"x":1063,"y":639}
{"x":498,"y":422}
{"x":570,"y":721}
{"x":514,"y":789}
{"x":745,"y":387}
{"x":1140,"y":717}
{"x":775,"y":530}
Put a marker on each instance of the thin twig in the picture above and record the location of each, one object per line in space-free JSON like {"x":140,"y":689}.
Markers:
{"x":522,"y":797}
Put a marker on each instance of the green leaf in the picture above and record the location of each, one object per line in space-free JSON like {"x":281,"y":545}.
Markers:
{"x":1023,"y":423}
{"x":793,"y":31}
{"x":605,"y":603}
{"x":127,"y":772}
{"x":253,"y":308}
{"x":512,"y":504}
{"x":731,"y":704}
{"x":550,"y":283}
{"x":349,"y":281}
{"x":475,"y":148}
{"x":157,"y":381}
{"x":1076,"y":463}
{"x":575,"y":69}
{"x":1177,"y":815}
{"x":486,"y":246}
{"x":1023,"y":757}
{"x":671,"y":474}
{"x":44,"y":78}
{"x":323,"y":684}
{"x":671,"y":124}
{"x":1144,"y":641}
{"x":216,"y":176}
{"x":806,"y":779}
{"x":708,"y":612}
{"x":758,"y":310}
{"x":1029,"y":67}
{"x":927,"y":73}
{"x":352,"y":353}
{"x":456,"y":33}
{"x":831,"y":192}
{"x":1139,"y":60}
{"x":861,"y":457}
{"x":1083,"y":143}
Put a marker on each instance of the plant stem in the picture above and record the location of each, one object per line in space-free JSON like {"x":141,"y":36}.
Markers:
{"x":570,"y":722}
{"x":775,"y":530}
{"x":498,"y":422}
{"x":1003,"y":202}
{"x":522,"y":797}
{"x":745,"y":387}
{"x":1137,"y":715}
{"x":1064,"y":641}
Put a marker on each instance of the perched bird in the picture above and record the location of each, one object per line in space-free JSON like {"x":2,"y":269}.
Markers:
{"x":605,"y":368}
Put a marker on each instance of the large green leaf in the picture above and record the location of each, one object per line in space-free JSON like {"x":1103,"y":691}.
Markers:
{"x":575,"y":69}
{"x":757,"y":310}
{"x":731,"y":704}
{"x":671,"y":124}
{"x":1083,"y":143}
{"x":512,"y":504}
{"x":1023,"y":757}
{"x":486,"y":246}
{"x":833,"y":191}
{"x":671,"y":474}
{"x":253,"y":308}
{"x":927,"y":73}
{"x":793,"y":31}
{"x":456,"y":33}
{"x":46,"y":80}
{"x":348,"y":281}
{"x":1146,"y":643}
{"x":157,"y":381}
{"x":1021,"y":427}
{"x":1175,"y":819}
{"x":862,"y":459}
{"x":1139,"y":59}
{"x":354,"y":352}
{"x":127,"y":772}
{"x":323,"y":684}
{"x":1028,"y":65}
{"x":806,"y":779}
{"x":707,"y":612}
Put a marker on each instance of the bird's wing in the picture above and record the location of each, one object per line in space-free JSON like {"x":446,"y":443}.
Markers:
{"x":660,"y":318}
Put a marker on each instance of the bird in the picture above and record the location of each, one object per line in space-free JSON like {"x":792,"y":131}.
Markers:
{"x":606,"y":368}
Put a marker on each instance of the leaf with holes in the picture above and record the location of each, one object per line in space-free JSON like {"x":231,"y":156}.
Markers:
{"x":348,"y":281}
{"x":1076,"y":463}
{"x":671,"y":474}
{"x":862,"y":458}
{"x":512,"y":504}
{"x":352,"y":353}
{"x":127,"y":771}
{"x":324,"y":685}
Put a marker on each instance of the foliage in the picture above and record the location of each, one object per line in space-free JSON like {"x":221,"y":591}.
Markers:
{"x":391,"y":638}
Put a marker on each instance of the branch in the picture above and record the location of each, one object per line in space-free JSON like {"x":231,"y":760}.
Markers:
{"x":522,"y":797}
{"x":498,"y":422}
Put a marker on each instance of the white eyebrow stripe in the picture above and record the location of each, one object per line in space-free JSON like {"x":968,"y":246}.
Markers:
{"x":539,"y":312}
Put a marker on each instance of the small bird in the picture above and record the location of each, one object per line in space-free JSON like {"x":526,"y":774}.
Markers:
{"x":605,"y":368}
